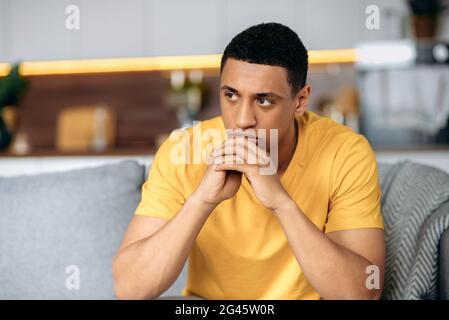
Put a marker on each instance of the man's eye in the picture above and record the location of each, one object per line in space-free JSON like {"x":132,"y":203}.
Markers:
{"x":231,"y":96}
{"x":264,"y":102}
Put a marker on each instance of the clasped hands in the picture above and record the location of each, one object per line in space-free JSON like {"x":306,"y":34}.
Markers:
{"x":237,"y":156}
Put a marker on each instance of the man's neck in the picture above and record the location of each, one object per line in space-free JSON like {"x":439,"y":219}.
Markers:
{"x":287,"y":148}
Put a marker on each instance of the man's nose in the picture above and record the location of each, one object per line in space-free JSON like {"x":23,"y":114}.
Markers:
{"x":245,"y":117}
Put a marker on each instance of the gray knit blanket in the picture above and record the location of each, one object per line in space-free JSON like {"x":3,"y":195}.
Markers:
{"x":415,"y":209}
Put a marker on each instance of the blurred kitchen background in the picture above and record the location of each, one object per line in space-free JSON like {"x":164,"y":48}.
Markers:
{"x":85,"y":82}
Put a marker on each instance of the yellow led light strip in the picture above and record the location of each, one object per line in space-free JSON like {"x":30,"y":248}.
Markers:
{"x":4,"y":69}
{"x":332,"y":56}
{"x":212,"y":61}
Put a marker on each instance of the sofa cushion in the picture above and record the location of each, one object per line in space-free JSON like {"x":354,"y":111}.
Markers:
{"x":384,"y":169}
{"x":443,"y":268}
{"x":59,"y":231}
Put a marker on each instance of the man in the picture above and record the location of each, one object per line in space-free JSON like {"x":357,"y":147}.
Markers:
{"x":311,"y":230}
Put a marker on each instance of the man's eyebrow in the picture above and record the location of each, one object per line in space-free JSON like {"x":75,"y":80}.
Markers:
{"x":225,"y":87}
{"x":259,"y":95}
{"x":268,"y":94}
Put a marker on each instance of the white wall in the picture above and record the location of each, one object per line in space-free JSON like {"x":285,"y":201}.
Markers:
{"x":35,"y":29}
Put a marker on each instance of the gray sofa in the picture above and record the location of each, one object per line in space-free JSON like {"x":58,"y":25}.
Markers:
{"x":59,"y":232}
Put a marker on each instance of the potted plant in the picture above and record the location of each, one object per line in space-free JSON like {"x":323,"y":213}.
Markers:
{"x":425,"y":16}
{"x":11,"y":90}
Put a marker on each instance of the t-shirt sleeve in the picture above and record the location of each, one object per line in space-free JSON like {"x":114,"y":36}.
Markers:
{"x":162,"y":193}
{"x":355,"y":199}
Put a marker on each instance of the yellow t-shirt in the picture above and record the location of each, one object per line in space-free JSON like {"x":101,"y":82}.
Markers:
{"x":241,"y":252}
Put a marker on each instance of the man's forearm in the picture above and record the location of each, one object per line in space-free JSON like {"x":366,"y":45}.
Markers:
{"x":146,"y":268}
{"x":334,"y":271}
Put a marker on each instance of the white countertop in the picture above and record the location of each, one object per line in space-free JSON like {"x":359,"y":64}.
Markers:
{"x":12,"y":166}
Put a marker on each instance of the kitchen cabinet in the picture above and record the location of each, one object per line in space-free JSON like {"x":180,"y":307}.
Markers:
{"x":3,"y":41}
{"x":179,"y":27}
{"x":112,"y":28}
{"x":36,"y":30}
{"x":239,"y":15}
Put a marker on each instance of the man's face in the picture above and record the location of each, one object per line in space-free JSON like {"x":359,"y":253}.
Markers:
{"x":256,"y":96}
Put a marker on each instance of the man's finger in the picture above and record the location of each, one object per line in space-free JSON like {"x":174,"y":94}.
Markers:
{"x":228,"y":158}
{"x":245,"y":148}
{"x":252,"y":153}
{"x":244,"y":168}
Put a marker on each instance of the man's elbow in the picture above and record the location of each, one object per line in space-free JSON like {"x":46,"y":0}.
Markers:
{"x":361,"y":294}
{"x":375,"y":294}
{"x":123,"y":291}
{"x":121,"y":285}
{"x":124,"y":288}
{"x":369,"y":294}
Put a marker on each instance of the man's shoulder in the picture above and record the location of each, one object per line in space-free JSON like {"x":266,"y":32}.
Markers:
{"x":203,"y":127}
{"x":212,"y":123}
{"x":329,"y":137}
{"x":325,"y":128}
{"x":324,"y":125}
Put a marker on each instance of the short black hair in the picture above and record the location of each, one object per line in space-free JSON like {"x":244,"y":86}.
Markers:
{"x":271,"y":44}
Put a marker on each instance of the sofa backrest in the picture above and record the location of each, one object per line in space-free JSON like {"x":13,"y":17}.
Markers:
{"x":59,"y":231}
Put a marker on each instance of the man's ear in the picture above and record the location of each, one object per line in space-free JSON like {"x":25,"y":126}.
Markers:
{"x":302,"y":99}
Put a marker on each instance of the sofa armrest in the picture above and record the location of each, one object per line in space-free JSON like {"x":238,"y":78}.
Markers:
{"x":443,"y":268}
